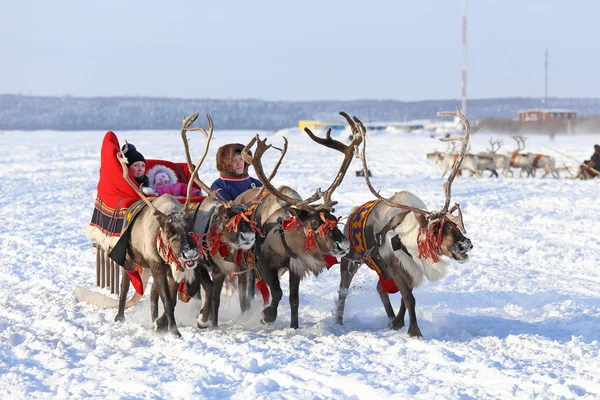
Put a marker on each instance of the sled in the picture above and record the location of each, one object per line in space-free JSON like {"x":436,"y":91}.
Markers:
{"x":113,"y":199}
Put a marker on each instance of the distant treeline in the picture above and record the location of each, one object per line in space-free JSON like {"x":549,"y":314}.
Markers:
{"x":123,"y":113}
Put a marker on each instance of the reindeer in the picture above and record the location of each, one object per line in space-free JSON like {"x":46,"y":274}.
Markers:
{"x":299,"y":236}
{"x":491,"y":160}
{"x":519,"y":160}
{"x":226,"y":229}
{"x":403,"y":242}
{"x":447,"y":161}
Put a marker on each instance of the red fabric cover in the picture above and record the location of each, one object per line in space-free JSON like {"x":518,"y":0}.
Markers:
{"x":330,"y":260}
{"x":114,"y":190}
{"x":223,"y":250}
{"x":261,"y":285}
{"x":136,"y":281}
{"x":182,"y":292}
{"x":388,"y":285}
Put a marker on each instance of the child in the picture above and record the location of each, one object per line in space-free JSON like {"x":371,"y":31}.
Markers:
{"x":164,"y":180}
{"x":234,"y":178}
{"x":136,"y":163}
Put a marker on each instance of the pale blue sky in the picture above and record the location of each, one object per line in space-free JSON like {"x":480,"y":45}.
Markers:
{"x":311,"y":49}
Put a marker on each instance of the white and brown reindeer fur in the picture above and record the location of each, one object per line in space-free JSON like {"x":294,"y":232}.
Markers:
{"x":404,"y":218}
{"x":408,"y":271}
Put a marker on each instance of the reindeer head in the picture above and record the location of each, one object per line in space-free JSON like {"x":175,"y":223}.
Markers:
{"x":175,"y":241}
{"x":443,"y":237}
{"x":236,"y":227}
{"x":321,"y":232}
{"x":436,"y":156}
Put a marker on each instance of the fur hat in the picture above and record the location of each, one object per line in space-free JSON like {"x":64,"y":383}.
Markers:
{"x":225,"y":157}
{"x":160,"y":168}
{"x":132,"y":154}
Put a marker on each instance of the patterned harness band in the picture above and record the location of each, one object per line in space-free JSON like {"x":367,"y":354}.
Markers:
{"x":358,"y":242}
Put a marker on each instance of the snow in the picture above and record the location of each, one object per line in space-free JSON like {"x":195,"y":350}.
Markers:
{"x":521,"y":319}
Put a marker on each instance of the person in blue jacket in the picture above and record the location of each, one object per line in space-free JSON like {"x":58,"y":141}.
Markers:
{"x":234,"y":178}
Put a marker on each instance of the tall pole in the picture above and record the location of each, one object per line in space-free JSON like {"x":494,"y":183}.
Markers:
{"x":546,"y":80}
{"x":464,"y":58}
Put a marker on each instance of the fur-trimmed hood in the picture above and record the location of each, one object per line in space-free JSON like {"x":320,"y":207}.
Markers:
{"x":225,"y":156}
{"x":161,"y":168}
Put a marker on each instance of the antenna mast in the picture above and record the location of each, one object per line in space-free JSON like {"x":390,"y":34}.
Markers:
{"x":464,"y":58}
{"x":546,"y":80}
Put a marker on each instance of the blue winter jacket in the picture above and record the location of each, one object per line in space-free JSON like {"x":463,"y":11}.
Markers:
{"x":233,"y":187}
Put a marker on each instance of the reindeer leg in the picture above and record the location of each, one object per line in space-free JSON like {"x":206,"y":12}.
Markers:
{"x":251,"y":286}
{"x":163,"y":287}
{"x":154,"y":303}
{"x":125,"y":281}
{"x":348,"y":268}
{"x":294,"y":299}
{"x":243,"y":290}
{"x":218,"y":279}
{"x":161,"y":324}
{"x":205,"y":313}
{"x":269,"y":313}
{"x":408,"y":303}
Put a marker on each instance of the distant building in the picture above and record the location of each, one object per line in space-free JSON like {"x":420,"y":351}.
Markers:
{"x":534,"y":115}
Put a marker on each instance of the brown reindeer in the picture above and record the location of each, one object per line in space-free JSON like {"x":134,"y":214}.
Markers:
{"x":403,"y":242}
{"x":226,"y":228}
{"x":299,"y":236}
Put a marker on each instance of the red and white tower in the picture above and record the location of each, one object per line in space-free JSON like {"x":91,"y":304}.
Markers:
{"x":464,"y":58}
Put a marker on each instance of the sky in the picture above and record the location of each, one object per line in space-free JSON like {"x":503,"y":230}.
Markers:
{"x":308,"y":50}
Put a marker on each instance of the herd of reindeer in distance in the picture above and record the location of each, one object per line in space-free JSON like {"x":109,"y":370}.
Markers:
{"x":175,"y":242}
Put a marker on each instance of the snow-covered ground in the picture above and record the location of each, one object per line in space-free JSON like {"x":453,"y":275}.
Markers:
{"x":521,"y":319}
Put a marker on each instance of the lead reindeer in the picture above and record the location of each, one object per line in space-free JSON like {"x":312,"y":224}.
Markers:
{"x":404,"y":242}
{"x":300,"y":237}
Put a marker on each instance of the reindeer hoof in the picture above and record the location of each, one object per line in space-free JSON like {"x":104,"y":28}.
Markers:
{"x":160,"y":325}
{"x":396,"y":325}
{"x":175,"y":332}
{"x":120,"y":318}
{"x":414,"y":332}
{"x":267,"y":319}
{"x":202,"y":322}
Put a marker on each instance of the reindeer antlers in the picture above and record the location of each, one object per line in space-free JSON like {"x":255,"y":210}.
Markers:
{"x":274,"y":172}
{"x":520,"y":143}
{"x":255,"y":161}
{"x":358,"y":132}
{"x":495,"y":145}
{"x":464,"y":142}
{"x":185,"y":127}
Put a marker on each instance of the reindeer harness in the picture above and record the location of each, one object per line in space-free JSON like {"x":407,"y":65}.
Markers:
{"x":364,"y":245}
